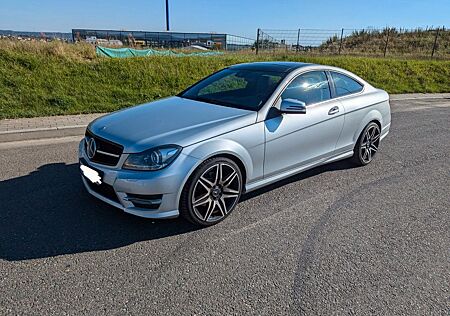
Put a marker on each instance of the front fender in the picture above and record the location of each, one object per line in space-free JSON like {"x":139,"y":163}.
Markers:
{"x":216,"y":147}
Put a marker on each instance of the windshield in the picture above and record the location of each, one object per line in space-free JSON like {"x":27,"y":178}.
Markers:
{"x":244,"y":89}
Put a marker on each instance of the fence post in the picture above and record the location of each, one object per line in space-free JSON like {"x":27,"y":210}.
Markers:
{"x":257,"y":41}
{"x":340,"y":42}
{"x":298,"y":41}
{"x":435,"y":42}
{"x":387,"y":41}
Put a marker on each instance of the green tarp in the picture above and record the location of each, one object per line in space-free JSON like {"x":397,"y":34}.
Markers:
{"x":131,"y":52}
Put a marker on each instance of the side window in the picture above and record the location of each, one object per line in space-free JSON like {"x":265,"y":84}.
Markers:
{"x":344,"y":84}
{"x":311,"y":87}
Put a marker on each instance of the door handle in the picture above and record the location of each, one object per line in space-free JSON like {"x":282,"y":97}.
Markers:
{"x":333,"y":110}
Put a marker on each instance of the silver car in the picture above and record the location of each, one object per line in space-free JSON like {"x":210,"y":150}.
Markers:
{"x":235,"y":131}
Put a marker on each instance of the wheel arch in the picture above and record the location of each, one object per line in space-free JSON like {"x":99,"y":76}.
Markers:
{"x":377,"y":122}
{"x":372,"y":116}
{"x":220,"y":148}
{"x":238,"y":162}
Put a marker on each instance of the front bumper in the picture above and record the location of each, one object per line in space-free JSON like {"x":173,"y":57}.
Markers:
{"x":149,"y":194}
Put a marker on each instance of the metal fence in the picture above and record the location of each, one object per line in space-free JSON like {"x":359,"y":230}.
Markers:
{"x":430,"y":42}
{"x":239,"y":43}
{"x":162,"y":39}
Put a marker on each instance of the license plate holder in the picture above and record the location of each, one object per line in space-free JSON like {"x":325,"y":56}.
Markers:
{"x":93,"y":175}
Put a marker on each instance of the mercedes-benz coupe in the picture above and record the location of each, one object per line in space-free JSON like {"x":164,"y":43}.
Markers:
{"x":237,"y":130}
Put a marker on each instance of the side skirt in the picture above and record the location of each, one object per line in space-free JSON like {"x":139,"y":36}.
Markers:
{"x":263,"y":182}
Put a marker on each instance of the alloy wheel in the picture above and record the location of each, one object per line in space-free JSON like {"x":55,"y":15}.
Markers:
{"x":216,"y":192}
{"x":369,"y":143}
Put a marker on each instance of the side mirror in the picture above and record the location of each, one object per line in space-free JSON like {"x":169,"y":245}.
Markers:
{"x":293,"y":106}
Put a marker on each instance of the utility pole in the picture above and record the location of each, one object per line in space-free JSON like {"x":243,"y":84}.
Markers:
{"x":167,"y":16}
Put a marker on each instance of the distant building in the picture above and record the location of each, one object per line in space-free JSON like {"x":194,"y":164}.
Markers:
{"x":162,"y":39}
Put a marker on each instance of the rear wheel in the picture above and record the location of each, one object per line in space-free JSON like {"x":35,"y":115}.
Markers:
{"x":212,"y":192}
{"x":367,"y":144}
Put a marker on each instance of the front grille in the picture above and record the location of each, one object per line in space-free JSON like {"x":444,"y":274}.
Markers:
{"x":104,"y":189}
{"x":107,"y":153}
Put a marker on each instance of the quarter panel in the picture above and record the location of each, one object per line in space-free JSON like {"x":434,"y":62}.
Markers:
{"x":360,"y":110}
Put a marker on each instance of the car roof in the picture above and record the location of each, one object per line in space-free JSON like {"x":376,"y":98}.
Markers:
{"x":275,"y":66}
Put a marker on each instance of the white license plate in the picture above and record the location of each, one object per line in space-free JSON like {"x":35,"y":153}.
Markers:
{"x":91,"y":174}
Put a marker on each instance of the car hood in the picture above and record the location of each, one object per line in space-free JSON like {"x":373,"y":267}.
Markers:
{"x":172,"y":120}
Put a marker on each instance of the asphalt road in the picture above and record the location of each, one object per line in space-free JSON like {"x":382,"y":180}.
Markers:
{"x":334,"y":240}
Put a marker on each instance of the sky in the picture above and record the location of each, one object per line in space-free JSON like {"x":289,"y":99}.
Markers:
{"x":238,"y":17}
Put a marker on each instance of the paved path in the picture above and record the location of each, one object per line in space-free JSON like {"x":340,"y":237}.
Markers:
{"x":68,"y":125}
{"x":44,"y":127}
{"x":335,"y":240}
{"x":48,"y":122}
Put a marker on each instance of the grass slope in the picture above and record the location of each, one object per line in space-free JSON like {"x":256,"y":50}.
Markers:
{"x":53,"y":79}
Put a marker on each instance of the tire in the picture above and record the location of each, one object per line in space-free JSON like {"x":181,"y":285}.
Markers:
{"x":367,"y":145}
{"x":212,"y":192}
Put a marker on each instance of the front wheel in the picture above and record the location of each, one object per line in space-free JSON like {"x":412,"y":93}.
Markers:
{"x":367,"y":144}
{"x":212,"y":192}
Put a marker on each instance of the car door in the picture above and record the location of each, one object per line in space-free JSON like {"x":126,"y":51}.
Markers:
{"x":294,"y":139}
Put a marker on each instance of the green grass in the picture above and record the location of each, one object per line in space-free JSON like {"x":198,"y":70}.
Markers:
{"x":43,"y":79}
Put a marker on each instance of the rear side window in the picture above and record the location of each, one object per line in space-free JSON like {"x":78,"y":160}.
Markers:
{"x":345,"y":85}
{"x":311,"y":87}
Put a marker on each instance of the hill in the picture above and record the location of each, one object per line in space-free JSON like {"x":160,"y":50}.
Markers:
{"x":39,"y":79}
{"x":398,"y":42}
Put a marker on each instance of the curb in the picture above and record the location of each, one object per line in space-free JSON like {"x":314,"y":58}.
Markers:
{"x":79,"y":130}
{"x":40,"y":133}
{"x":418,"y":96}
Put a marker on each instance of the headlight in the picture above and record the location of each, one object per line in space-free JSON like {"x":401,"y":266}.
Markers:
{"x":152,"y":159}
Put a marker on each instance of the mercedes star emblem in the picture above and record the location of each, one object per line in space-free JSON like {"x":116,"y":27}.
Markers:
{"x":91,"y":148}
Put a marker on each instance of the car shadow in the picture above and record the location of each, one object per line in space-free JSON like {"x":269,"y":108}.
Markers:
{"x":334,"y":166}
{"x":48,"y":213}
